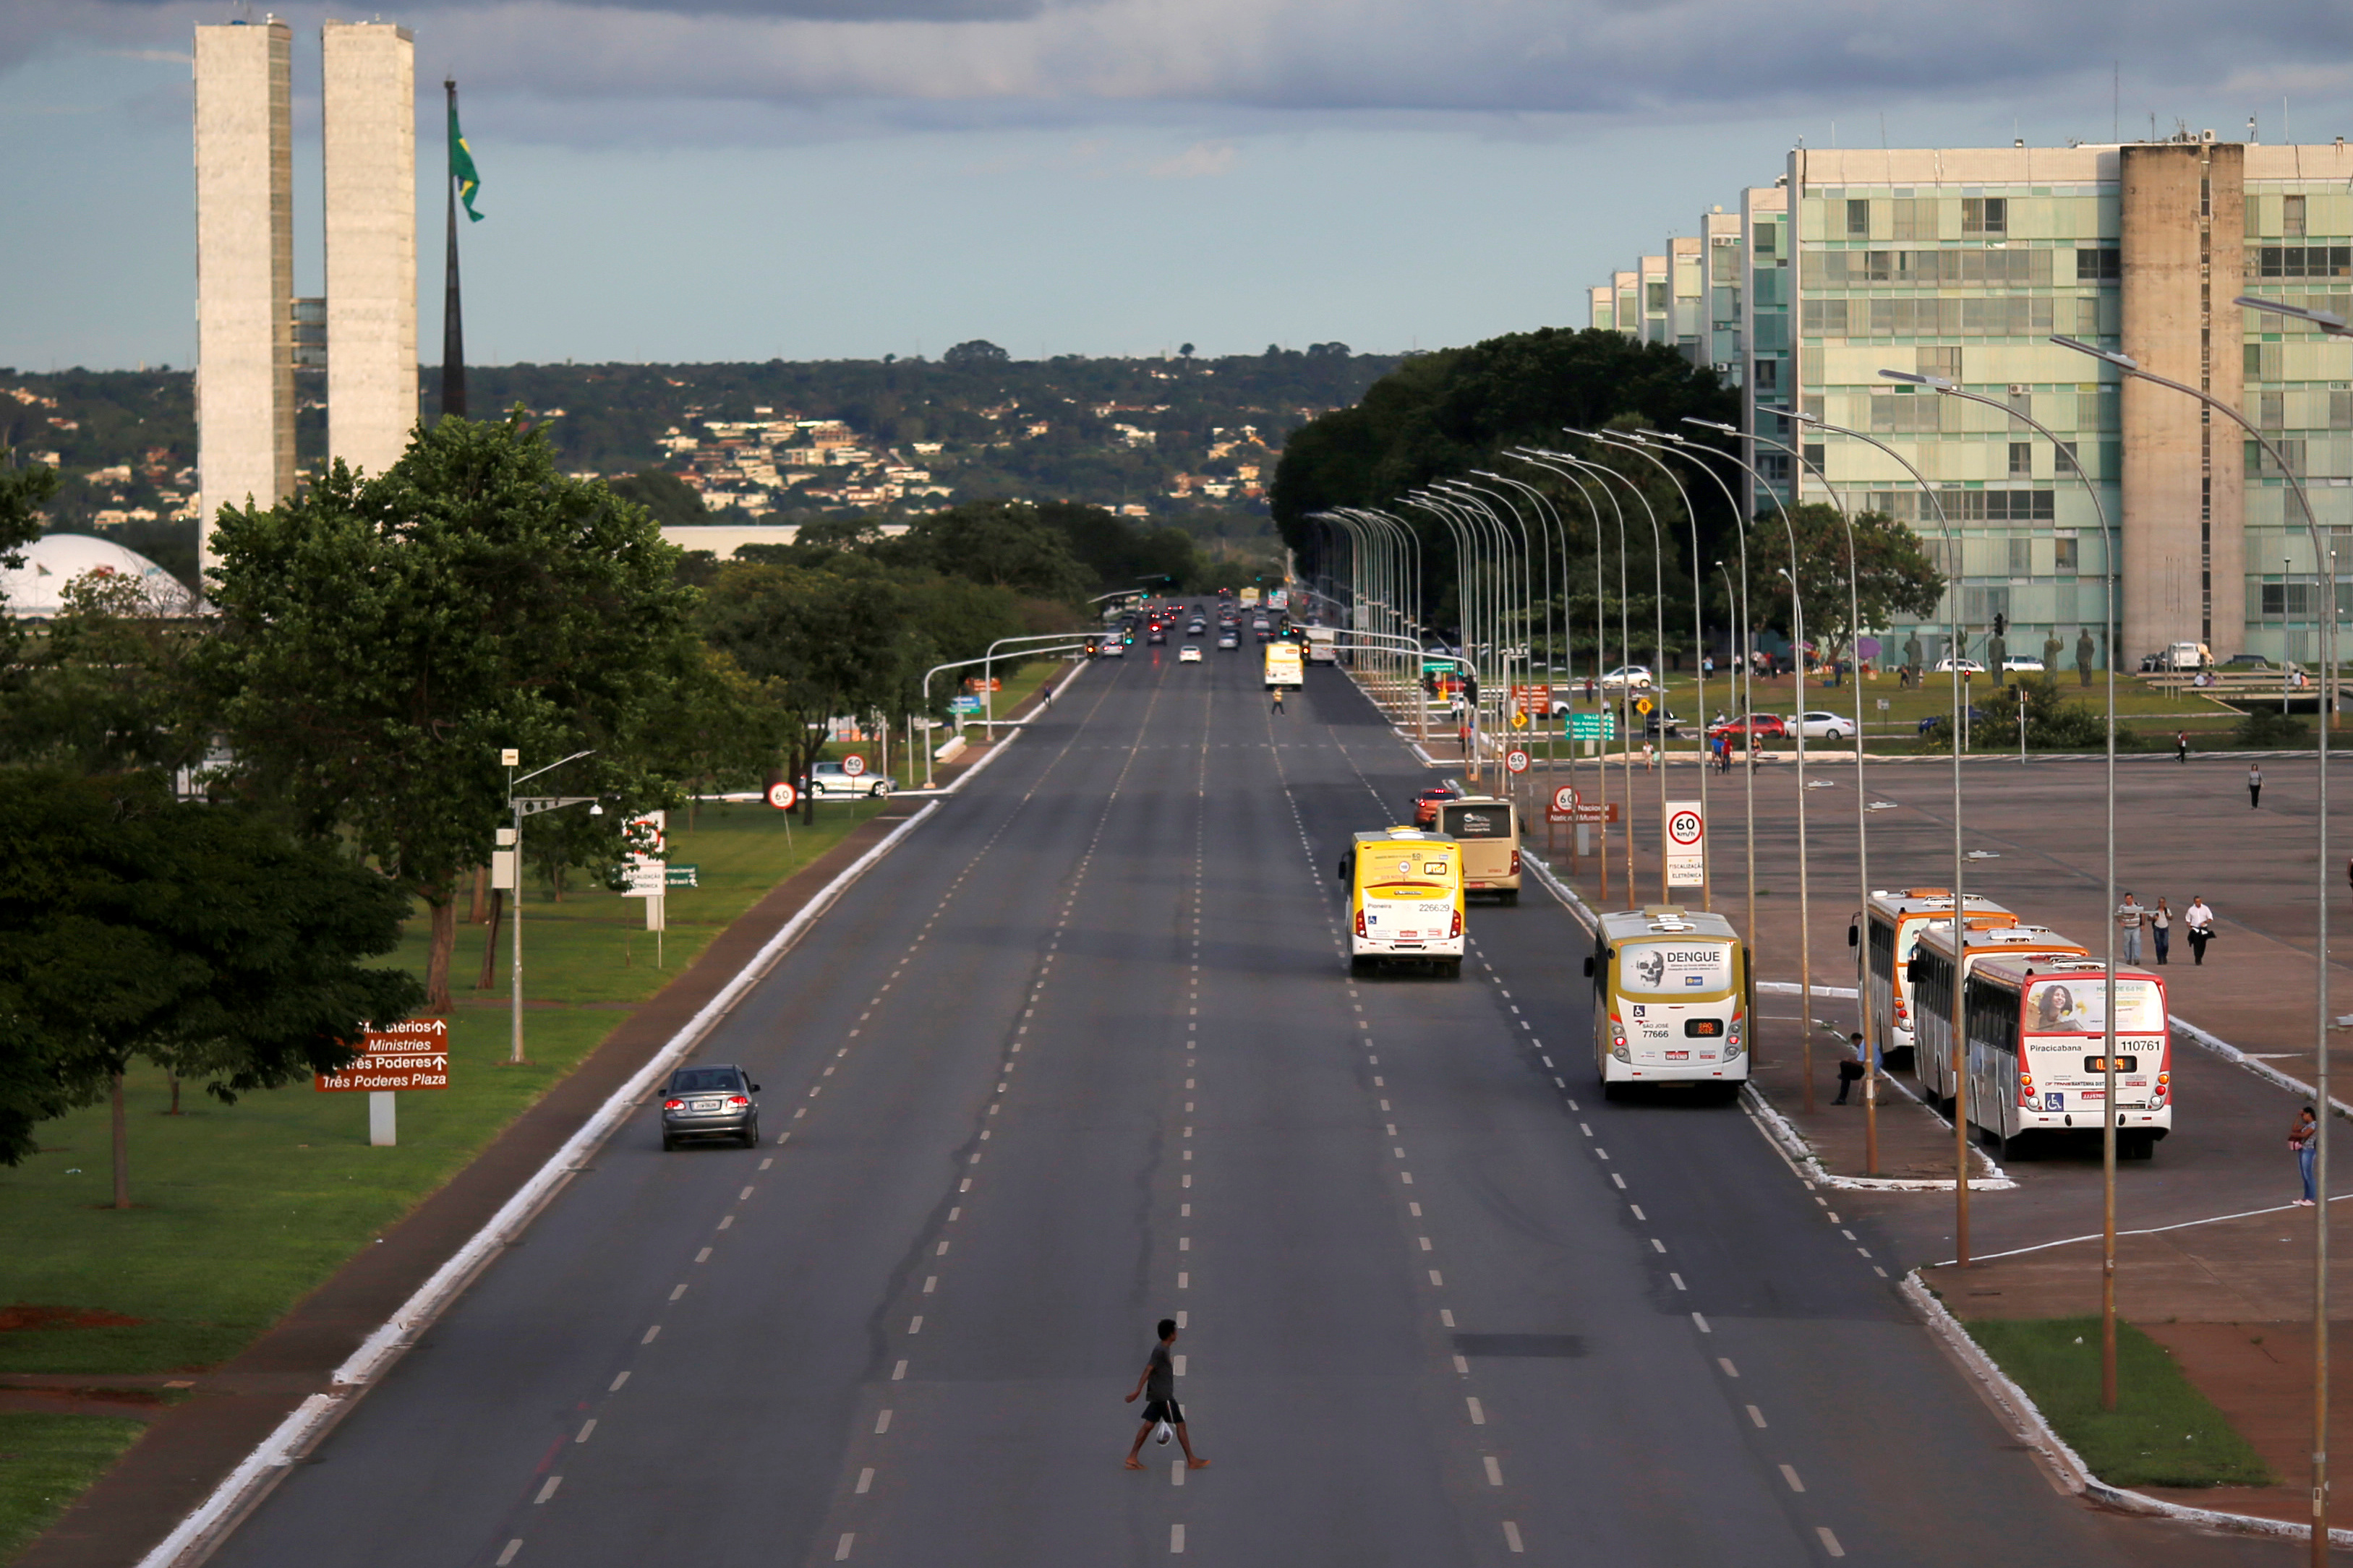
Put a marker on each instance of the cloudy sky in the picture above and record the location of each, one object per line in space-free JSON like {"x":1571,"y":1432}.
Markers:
{"x":739,"y":179}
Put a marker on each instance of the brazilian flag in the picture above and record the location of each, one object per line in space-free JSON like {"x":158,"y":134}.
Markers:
{"x":461,"y":166}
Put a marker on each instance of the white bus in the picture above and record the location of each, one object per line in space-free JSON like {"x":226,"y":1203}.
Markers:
{"x":1895,"y":921}
{"x":1405,"y":899}
{"x":1930,"y":972}
{"x":1323,"y":645}
{"x":1672,"y":1001}
{"x":2037,"y":1031}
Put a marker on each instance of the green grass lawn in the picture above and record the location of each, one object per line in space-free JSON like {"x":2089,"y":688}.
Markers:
{"x":243,"y":1209}
{"x":2162,"y":1432}
{"x":46,"y":1462}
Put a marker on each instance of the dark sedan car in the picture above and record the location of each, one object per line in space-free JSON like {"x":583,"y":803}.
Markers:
{"x":710,"y":1102}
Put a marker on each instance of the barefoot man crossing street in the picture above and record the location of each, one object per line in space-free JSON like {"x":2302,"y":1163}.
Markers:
{"x":1158,"y":1384}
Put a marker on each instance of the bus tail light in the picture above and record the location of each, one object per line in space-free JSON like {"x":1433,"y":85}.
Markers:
{"x":2026,"y":1090}
{"x":1732,"y":1047}
{"x":1618,"y":1042}
{"x":1458,"y":925}
{"x":1515,"y":862}
{"x":1360,"y":923}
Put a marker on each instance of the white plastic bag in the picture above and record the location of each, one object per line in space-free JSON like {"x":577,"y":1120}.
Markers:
{"x":1162,"y":1432}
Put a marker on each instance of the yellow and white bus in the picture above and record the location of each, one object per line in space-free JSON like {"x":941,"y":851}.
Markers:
{"x":1930,"y":972}
{"x":1405,"y":899}
{"x":1895,"y":921}
{"x":1672,"y":1001}
{"x":1282,"y":665}
{"x":2037,"y":1033}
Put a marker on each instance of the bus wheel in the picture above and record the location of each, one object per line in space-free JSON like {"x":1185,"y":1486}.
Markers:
{"x":2135,"y":1146}
{"x":1612,"y":1090}
{"x":1451,"y":969}
{"x":1359,"y":964}
{"x":1511,"y":896}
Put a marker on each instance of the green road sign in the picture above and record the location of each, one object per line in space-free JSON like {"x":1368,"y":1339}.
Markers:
{"x":681,"y":877}
{"x":1437,"y":666}
{"x":1602,"y":726}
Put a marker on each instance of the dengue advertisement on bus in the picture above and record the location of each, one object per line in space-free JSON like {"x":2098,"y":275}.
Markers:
{"x":1676,"y":969}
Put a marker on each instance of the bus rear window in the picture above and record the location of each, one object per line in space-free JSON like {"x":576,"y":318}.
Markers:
{"x":1674,"y":968}
{"x":1476,"y":821}
{"x":2074,"y":1006}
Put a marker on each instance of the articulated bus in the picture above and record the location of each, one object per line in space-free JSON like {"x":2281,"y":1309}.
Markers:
{"x":1672,"y":1001}
{"x":2036,"y":1028}
{"x":1931,"y":976}
{"x":1283,"y":667}
{"x":1405,"y":899}
{"x":1896,"y":920}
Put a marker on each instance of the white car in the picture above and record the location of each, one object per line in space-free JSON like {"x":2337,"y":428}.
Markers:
{"x":1626,"y":675}
{"x":1966,"y":666}
{"x":830,"y":780}
{"x":2021,"y":667}
{"x":1113,"y":647}
{"x":1820,"y":725}
{"x":1188,"y":654}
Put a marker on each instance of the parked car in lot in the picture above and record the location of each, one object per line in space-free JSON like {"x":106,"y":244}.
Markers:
{"x":1188,"y":654}
{"x":830,"y":780}
{"x":2021,"y":667}
{"x":1819,"y":725}
{"x":1763,"y":726}
{"x":1632,"y":675}
{"x":713,"y":1101}
{"x":1966,"y":666}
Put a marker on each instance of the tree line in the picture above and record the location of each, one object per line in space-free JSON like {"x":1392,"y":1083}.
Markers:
{"x":222,"y":821}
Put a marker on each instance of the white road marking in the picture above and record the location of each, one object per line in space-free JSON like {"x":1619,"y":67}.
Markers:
{"x":725,"y":1221}
{"x":1176,"y":1541}
{"x":1679,"y":1281}
{"x":1462,"y":1366}
{"x":1175,"y":1472}
{"x":1658,"y":1245}
{"x":1379,"y":1084}
{"x":1181,"y":1318}
{"x":1478,"y":1412}
{"x":547,"y":1489}
{"x":1179,"y":1360}
{"x":674,"y":1295}
{"x":1416,"y":1209}
{"x":1183,"y":1280}
{"x":1789,"y":1474}
{"x":882,"y":1424}
{"x":1405,"y":1176}
{"x":1599,"y":1152}
{"x":954,"y":1213}
{"x":915,"y":1324}
{"x":943,"y":1252}
{"x":1757,"y":1415}
{"x":615,"y":1386}
{"x":703,"y":1256}
{"x":1848,"y":1234}
{"x":898,"y":1374}
{"x":865,"y":1480}
{"x":768,"y":1161}
{"x":1729,"y":1370}
{"x":1494,"y":1472}
{"x":964,"y":1186}
{"x":1703,"y":1323}
{"x":1638,"y":1212}
{"x":509,"y":1554}
{"x":1436,"y":1280}
{"x":588,"y":1426}
{"x":1512,"y":1536}
{"x":1875,"y":1269}
{"x":1184,"y":1244}
{"x":1830,"y":1542}
{"x":1864,"y":1250}
{"x":1619,"y":1179}
{"x":1586,"y":1128}
{"x":841,"y":1553}
{"x":650,"y":1334}
{"x":1425,"y":1244}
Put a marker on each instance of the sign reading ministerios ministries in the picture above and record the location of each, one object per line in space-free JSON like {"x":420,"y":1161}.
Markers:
{"x":410,"y":1055}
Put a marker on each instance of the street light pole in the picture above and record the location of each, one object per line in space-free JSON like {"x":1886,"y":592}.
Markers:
{"x":2323,"y":560}
{"x":519,"y":807}
{"x":2108,"y":1045}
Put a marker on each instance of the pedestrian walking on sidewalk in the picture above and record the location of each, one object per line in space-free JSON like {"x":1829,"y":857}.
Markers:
{"x":1158,"y":1387}
{"x":2254,"y":785}
{"x":2129,"y":916}
{"x":2181,"y":745}
{"x":2305,"y":1138}
{"x":2200,"y":920}
{"x":1850,"y":1071}
{"x":2160,"y":925}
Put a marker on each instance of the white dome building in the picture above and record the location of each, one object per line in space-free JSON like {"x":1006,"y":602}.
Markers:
{"x":36,"y":590}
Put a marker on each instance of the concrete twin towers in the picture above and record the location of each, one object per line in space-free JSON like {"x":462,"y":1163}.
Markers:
{"x":250,"y":329}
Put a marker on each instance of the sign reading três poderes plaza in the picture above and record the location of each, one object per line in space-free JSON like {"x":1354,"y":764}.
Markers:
{"x":414,"y":1054}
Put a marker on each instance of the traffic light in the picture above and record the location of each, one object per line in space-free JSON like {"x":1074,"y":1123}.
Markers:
{"x":2000,"y":624}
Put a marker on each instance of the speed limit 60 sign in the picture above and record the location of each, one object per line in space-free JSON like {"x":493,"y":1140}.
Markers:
{"x":1564,"y":800}
{"x":853,"y":764}
{"x":1516,"y":760}
{"x":781,"y":795}
{"x":1687,"y":840}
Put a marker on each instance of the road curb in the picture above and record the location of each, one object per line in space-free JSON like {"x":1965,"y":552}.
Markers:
{"x":198,"y":1534}
{"x":1794,"y":1148}
{"x":2031,"y":1428}
{"x":2264,"y":1070}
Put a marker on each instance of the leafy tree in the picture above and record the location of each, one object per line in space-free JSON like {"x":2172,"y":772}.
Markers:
{"x":713,"y":728}
{"x":669,"y":498}
{"x":382,"y":640}
{"x":1005,"y":544}
{"x":1893,"y":574}
{"x":821,"y":643}
{"x":975,"y":351}
{"x":22,"y":491}
{"x":2053,"y":723}
{"x":206,"y":939}
{"x":107,"y":686}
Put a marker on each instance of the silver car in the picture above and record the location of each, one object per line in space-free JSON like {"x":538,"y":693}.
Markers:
{"x":710,"y":1102}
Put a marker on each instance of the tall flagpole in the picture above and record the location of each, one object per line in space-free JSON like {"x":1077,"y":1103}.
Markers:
{"x":453,"y":321}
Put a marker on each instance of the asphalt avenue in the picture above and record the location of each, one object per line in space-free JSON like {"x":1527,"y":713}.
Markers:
{"x":1084,"y":1052}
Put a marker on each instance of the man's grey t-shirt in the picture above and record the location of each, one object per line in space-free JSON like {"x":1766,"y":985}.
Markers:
{"x":1162,"y":1382}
